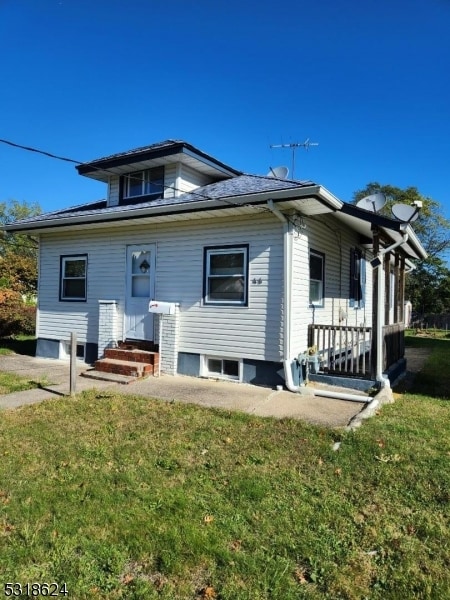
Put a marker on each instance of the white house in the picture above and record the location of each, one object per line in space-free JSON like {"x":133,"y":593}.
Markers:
{"x":249,"y":270}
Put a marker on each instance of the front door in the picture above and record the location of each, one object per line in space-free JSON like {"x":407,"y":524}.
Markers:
{"x":141,"y":261}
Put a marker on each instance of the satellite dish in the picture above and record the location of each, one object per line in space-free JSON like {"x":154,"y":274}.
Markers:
{"x":374,"y":202}
{"x":405,"y":212}
{"x":278,"y":172}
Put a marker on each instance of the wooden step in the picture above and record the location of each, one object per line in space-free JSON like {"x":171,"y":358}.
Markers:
{"x":124,"y":367}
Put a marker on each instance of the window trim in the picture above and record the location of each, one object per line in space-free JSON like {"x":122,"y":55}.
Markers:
{"x":125,"y":186}
{"x":62,"y":261}
{"x":225,"y":249}
{"x":205,"y":372}
{"x":357,"y":289}
{"x":320,"y":255}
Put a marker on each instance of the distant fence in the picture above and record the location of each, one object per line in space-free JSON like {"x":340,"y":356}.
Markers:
{"x":430,"y":321}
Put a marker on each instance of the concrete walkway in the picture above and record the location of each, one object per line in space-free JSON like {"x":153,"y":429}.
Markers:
{"x":53,"y":376}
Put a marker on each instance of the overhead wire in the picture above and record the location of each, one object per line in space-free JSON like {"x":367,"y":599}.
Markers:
{"x":106,"y":170}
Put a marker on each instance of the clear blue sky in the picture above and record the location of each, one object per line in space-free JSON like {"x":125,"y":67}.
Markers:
{"x":369,"y":81}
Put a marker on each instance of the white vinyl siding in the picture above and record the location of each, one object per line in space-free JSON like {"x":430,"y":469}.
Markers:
{"x":254,"y":331}
{"x":113,"y":191}
{"x":190,"y":179}
{"x":334,"y":241}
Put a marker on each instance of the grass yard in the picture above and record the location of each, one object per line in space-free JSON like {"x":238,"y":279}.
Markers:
{"x":10,"y":382}
{"x":124,"y":497}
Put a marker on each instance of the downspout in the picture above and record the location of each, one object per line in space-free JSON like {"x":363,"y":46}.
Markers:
{"x":287,"y":276}
{"x":384,"y":381}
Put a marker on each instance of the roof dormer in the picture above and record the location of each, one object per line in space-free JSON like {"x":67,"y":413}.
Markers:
{"x":165,"y":169}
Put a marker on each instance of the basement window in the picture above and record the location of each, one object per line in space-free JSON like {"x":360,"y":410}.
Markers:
{"x":64,"y":353}
{"x":222,"y":368}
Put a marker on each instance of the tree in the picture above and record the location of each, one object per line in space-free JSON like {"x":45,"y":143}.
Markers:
{"x":18,"y":252}
{"x":427,"y":287}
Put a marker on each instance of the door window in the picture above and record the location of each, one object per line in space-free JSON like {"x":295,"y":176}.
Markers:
{"x":140,"y":274}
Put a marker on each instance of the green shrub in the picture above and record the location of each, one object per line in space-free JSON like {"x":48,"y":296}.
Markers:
{"x":15,"y":316}
{"x":28,"y":320}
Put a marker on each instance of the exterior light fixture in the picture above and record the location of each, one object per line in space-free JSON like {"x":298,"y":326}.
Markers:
{"x":144,"y":266}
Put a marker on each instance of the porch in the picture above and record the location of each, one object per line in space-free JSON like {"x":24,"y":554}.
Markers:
{"x":343,"y":351}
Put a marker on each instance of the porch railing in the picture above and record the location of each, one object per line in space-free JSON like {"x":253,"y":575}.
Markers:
{"x":394,"y":344}
{"x":342,"y":350}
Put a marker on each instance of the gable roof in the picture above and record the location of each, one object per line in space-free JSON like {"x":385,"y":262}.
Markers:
{"x":157,"y":154}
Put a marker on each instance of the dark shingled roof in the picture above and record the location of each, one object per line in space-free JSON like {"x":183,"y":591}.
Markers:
{"x":241,"y":185}
{"x":166,"y":148}
{"x":143,"y":149}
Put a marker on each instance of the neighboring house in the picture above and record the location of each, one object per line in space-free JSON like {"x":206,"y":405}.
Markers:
{"x":254,"y":270}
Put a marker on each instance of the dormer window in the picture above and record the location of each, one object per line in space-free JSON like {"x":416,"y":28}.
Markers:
{"x":144,"y":183}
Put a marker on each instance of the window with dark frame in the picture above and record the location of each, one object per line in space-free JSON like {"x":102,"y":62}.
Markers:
{"x":316,"y":278}
{"x":357,"y":278}
{"x":73,"y":278}
{"x":226,"y":275}
{"x":144,"y":183}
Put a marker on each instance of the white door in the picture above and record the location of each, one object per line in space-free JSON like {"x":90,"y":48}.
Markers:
{"x":141,"y":261}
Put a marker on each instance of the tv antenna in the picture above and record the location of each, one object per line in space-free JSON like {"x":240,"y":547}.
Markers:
{"x":294,"y":146}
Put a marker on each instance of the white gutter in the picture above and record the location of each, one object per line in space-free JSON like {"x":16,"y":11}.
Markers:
{"x":384,"y":381}
{"x":287,"y":276}
{"x":111,"y":214}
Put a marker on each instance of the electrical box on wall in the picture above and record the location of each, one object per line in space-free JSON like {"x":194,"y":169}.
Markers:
{"x":163,"y":308}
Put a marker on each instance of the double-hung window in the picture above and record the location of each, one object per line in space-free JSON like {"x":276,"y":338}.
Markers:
{"x":316,"y":278}
{"x":144,"y":183}
{"x":73,"y":273}
{"x":226,"y":275}
{"x":357,"y":278}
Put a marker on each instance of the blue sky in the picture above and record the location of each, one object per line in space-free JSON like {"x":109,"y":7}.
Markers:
{"x":369,"y":81}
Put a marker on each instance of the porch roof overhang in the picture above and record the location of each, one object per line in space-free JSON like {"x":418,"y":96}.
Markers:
{"x":307,"y":199}
{"x":363,"y":221}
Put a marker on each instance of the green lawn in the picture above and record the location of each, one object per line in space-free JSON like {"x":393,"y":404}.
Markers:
{"x":125,"y":497}
{"x":10,"y":382}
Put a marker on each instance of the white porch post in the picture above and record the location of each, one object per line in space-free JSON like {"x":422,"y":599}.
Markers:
{"x":107,"y":325}
{"x":169,"y":333}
